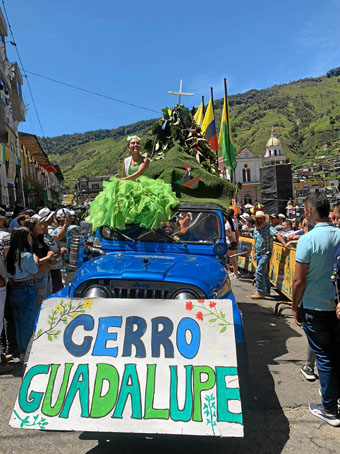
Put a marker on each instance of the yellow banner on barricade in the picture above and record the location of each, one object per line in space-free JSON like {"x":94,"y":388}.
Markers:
{"x":281,"y":267}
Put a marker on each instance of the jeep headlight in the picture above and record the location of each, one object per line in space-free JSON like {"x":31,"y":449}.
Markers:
{"x":226,"y":288}
{"x":96,"y":291}
{"x":184,"y":295}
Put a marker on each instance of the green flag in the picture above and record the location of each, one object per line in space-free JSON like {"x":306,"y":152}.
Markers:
{"x":225,"y":141}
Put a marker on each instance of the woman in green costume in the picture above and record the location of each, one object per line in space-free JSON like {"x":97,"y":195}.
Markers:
{"x":134,"y":198}
{"x":136,"y":164}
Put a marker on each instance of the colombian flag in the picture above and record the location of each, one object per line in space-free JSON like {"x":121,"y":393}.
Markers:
{"x":224,"y":139}
{"x":199,"y":115}
{"x":209,"y":127}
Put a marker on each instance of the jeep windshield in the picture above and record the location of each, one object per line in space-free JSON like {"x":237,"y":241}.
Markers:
{"x":183,"y":227}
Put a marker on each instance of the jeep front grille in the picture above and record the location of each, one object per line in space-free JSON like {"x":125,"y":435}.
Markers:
{"x":122,"y":288}
{"x":121,"y":292}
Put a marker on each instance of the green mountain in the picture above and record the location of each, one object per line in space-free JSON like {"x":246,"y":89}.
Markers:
{"x":305,"y":115}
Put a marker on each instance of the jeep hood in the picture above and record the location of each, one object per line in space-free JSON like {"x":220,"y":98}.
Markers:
{"x":202,"y":271}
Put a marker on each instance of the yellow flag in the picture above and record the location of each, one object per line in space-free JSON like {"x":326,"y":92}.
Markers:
{"x":199,"y":115}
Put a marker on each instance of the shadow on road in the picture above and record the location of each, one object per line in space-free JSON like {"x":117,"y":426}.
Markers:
{"x":266,"y":427}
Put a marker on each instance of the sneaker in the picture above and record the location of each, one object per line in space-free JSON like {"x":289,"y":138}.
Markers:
{"x":257,"y":296}
{"x":308,"y":373}
{"x":232,"y":276}
{"x":337,"y":402}
{"x":5,"y":358}
{"x":319,"y":411}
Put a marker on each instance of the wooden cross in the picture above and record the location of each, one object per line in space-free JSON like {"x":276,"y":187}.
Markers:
{"x":180,"y":93}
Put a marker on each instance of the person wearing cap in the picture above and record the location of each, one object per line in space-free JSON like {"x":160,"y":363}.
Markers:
{"x":274,"y":220}
{"x":244,"y":218}
{"x":263,"y":236}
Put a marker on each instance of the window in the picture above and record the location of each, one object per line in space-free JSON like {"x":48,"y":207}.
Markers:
{"x":246,"y":174}
{"x":247,"y":199}
{"x":95,"y":185}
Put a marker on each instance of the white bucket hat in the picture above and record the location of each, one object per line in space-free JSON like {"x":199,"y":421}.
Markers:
{"x":62,"y":214}
{"x":45,"y":214}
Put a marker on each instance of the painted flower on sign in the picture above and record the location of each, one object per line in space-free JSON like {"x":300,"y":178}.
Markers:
{"x":87,"y":304}
{"x":62,"y":313}
{"x":210,"y":310}
{"x":199,"y":316}
{"x":188,"y":305}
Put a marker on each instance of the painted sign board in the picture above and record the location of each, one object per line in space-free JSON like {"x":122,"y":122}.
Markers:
{"x":134,"y":366}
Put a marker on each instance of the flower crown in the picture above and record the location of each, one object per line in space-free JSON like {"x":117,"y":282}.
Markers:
{"x":133,"y":137}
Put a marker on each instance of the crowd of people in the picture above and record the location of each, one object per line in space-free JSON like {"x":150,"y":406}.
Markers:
{"x":316,"y":300}
{"x":32,"y":255}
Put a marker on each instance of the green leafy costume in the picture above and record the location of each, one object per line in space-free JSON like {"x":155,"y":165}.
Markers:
{"x":145,"y":202}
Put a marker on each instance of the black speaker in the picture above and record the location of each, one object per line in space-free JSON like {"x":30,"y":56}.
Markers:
{"x":276,"y":187}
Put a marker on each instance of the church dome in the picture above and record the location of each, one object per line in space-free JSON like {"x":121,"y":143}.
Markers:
{"x":273,"y":141}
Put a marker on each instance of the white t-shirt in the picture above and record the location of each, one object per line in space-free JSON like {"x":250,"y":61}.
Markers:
{"x":4,"y":244}
{"x":232,"y":234}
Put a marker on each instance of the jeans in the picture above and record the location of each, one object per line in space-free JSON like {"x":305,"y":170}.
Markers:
{"x":57,"y":283}
{"x":8,"y":340}
{"x":2,"y":306}
{"x":23,"y":299}
{"x":310,"y":361}
{"x":43,"y":288}
{"x":262,"y":274}
{"x":323,"y":333}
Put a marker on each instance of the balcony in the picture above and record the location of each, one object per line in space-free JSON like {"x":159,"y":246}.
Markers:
{"x":18,"y":108}
{"x":3,"y":122}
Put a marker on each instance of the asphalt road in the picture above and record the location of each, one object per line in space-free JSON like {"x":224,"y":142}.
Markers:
{"x":275,"y":399}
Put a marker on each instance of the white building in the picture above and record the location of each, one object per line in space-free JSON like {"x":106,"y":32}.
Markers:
{"x":247,"y":173}
{"x":12,"y":112}
{"x":274,"y":154}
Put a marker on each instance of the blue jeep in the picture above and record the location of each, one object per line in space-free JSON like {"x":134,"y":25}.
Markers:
{"x":183,"y":259}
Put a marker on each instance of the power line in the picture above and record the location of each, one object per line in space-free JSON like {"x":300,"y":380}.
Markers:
{"x":91,"y":92}
{"x":22,"y":68}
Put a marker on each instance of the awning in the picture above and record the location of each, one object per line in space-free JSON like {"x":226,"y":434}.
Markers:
{"x":49,"y":168}
{"x":34,"y":148}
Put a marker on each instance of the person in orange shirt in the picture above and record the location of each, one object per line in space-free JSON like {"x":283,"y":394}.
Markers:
{"x":184,"y":222}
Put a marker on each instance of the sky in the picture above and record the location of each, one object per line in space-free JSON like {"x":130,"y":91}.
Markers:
{"x":136,"y":51}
